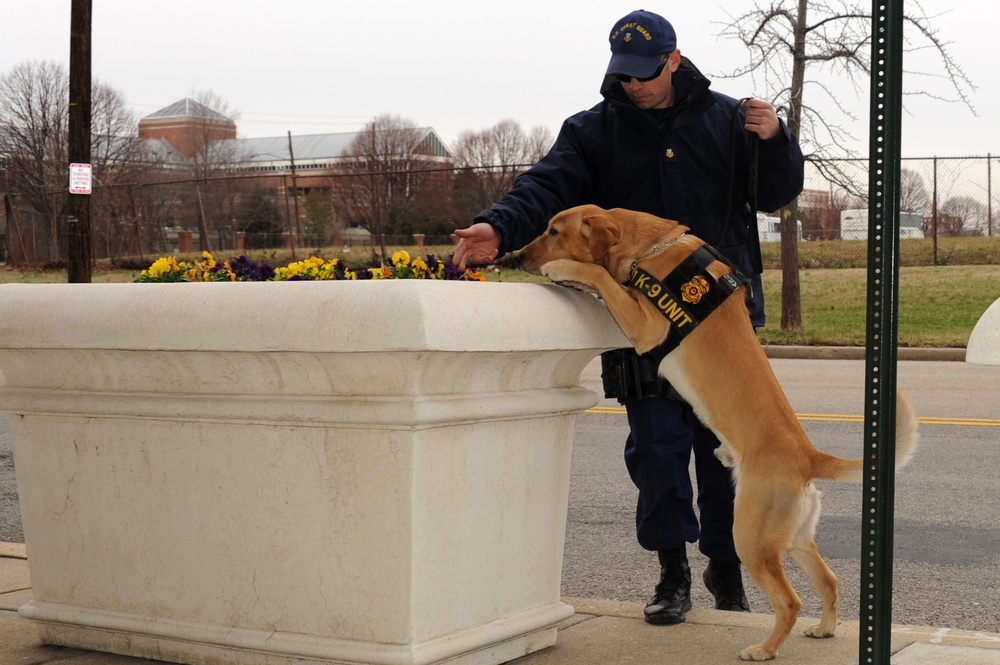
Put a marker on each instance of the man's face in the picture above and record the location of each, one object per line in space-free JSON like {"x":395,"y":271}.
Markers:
{"x":657,"y":93}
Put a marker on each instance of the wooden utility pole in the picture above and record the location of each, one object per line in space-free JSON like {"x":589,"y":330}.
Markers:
{"x":78,"y":222}
{"x":204,"y":243}
{"x":295,"y":190}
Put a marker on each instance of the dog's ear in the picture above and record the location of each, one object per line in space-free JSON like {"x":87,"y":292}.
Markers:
{"x":604,"y":234}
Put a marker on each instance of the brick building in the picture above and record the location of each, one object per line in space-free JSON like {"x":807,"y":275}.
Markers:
{"x":188,"y":126}
{"x":287,"y":168}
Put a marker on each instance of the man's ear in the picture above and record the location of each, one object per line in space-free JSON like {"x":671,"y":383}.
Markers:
{"x":604,"y":234}
{"x":674,"y":61}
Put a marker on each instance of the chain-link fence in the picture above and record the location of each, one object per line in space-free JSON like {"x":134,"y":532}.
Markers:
{"x":943,"y":196}
{"x":947,"y":216}
{"x":233,"y":213}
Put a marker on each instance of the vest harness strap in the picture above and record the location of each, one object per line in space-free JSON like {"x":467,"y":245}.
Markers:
{"x":687,"y":295}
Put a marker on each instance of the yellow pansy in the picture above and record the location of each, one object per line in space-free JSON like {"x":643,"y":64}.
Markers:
{"x":161,"y":266}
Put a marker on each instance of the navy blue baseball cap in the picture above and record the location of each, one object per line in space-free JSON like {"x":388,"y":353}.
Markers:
{"x":638,"y":42}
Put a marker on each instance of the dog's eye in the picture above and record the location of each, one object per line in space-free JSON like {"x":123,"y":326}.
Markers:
{"x":553,"y":232}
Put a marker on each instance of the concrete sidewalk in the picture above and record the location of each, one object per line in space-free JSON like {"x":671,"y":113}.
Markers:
{"x":600,"y":633}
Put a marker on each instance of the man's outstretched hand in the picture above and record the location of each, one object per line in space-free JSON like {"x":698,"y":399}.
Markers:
{"x":478,"y":244}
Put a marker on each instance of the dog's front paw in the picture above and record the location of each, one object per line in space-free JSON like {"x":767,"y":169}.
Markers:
{"x":565,"y":272}
{"x":559,"y":270}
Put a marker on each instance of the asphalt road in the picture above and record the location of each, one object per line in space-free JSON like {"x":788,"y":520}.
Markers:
{"x":947,"y":537}
{"x":10,"y":513}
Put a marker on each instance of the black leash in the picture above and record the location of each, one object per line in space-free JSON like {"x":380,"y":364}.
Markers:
{"x":753,"y":145}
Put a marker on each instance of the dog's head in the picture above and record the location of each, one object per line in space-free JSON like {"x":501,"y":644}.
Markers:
{"x":613,"y":239}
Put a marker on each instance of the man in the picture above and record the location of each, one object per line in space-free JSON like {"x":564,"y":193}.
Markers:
{"x":663,"y":143}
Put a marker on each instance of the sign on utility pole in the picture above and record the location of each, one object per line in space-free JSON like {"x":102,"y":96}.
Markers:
{"x":80,"y":179}
{"x":78,"y":266}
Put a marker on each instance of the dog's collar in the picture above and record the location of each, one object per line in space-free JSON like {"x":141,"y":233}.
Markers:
{"x":657,"y":247}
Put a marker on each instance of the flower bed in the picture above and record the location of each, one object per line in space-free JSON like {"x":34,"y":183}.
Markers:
{"x":242,"y":269}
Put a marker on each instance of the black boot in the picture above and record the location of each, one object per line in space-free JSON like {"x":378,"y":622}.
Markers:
{"x":725,"y":582}
{"x":673,"y":594}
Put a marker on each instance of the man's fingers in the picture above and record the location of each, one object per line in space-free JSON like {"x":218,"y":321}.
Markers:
{"x":467,"y":255}
{"x":480,"y":259}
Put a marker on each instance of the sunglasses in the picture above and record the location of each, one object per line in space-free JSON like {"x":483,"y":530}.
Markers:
{"x":625,"y":78}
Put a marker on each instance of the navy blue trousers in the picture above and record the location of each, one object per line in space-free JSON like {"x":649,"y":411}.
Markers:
{"x":663,"y":435}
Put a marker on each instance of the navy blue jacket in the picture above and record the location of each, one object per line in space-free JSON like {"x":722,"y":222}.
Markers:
{"x":683,"y":163}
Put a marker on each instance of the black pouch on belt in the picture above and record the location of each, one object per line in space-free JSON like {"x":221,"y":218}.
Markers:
{"x":628,"y":377}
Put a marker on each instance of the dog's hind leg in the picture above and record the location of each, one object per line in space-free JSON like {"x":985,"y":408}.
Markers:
{"x":807,"y":557}
{"x":761,"y":542}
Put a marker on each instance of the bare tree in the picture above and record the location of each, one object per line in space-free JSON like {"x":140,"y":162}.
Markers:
{"x":116,"y":156}
{"x":113,"y":134}
{"x":822,"y":46}
{"x":33,"y":139}
{"x":494,"y":157}
{"x":540,"y":140}
{"x":213,"y":153}
{"x":213,"y":121}
{"x":913,"y":196}
{"x":33,"y":126}
{"x":962,"y":215}
{"x":320,"y":215}
{"x":387,"y":166}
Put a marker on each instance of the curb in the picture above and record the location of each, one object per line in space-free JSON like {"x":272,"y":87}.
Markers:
{"x":859,"y":353}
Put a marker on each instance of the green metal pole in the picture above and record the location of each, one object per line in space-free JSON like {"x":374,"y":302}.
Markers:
{"x":883,"y":310}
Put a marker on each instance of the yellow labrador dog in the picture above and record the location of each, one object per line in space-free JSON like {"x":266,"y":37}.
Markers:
{"x":722,"y":371}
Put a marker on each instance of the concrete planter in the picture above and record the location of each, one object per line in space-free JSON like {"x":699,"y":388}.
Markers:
{"x":984,"y":341}
{"x":338,"y":472}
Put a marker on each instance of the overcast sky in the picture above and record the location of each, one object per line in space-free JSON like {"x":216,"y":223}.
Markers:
{"x":317,"y":66}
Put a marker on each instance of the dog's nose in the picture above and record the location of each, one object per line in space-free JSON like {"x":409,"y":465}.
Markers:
{"x":512,"y":260}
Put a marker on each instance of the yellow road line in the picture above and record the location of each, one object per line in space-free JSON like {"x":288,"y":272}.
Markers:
{"x":839,"y":418}
{"x":607,"y":410}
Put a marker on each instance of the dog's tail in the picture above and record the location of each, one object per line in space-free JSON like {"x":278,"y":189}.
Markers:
{"x":830,"y":467}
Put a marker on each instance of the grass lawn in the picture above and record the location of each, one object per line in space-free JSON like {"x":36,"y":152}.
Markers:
{"x":938,"y":305}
